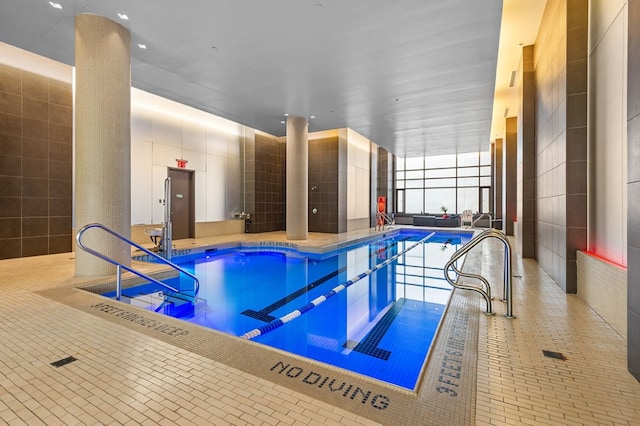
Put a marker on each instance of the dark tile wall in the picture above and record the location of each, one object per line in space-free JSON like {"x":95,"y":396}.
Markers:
{"x":386,"y":178}
{"x":492,"y":191}
{"x":343,"y":165}
{"x":498,"y":186}
{"x":323,"y":185}
{"x":576,"y":138}
{"x":35,"y":164}
{"x":527,"y":157}
{"x":264,"y":183}
{"x":373,"y":189}
{"x":633,"y":190}
{"x":561,"y":118}
{"x":510,"y":172}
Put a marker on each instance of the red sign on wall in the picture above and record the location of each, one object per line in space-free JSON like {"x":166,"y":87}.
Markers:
{"x":181,"y":163}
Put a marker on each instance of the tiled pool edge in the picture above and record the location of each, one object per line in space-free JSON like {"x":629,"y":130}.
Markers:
{"x":187,"y":252}
{"x":448,"y":382}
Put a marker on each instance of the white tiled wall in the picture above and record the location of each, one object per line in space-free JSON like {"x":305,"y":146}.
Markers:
{"x":603,"y":285}
{"x":608,"y":129}
{"x":163,"y":131}
{"x":358,"y":190}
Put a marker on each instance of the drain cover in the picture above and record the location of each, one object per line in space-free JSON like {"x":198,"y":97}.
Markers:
{"x":554,"y":355}
{"x":63,"y":361}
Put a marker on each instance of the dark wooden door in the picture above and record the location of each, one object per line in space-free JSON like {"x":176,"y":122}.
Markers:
{"x":182,"y":204}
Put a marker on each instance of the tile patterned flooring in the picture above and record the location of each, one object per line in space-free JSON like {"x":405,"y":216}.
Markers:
{"x":126,"y":377}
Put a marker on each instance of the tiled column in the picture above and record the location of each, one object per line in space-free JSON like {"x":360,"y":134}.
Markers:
{"x":560,"y":60}
{"x":509,"y":175}
{"x":102,"y":139}
{"x":633,"y":189}
{"x":576,"y":139}
{"x":492,"y":153}
{"x":527,"y":157}
{"x":263,"y":174}
{"x":343,"y":168}
{"x":248,"y":155}
{"x":297,"y":178}
{"x":385,"y":178}
{"x":323,"y":184}
{"x":497,"y":181}
{"x":373,"y":177}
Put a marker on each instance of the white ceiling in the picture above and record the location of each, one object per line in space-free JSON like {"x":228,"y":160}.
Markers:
{"x":414,"y":76}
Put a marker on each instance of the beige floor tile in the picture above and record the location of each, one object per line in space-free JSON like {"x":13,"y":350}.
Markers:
{"x":125,"y":377}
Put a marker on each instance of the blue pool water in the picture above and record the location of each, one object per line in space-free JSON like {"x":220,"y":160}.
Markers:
{"x":381,"y":326}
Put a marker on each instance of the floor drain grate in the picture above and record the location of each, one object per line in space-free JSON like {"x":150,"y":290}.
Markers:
{"x":554,"y":355}
{"x":63,"y":361}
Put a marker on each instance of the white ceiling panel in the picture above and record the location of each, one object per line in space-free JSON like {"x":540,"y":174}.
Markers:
{"x":411,"y":75}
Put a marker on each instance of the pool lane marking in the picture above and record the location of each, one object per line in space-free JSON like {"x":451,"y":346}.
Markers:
{"x":369,"y":345}
{"x":306,"y":308}
{"x":264,"y":314}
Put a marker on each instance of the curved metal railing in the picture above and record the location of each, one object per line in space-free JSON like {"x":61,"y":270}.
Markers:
{"x":482,"y":216}
{"x":120,"y":265}
{"x":383,"y":219}
{"x":485,"y":291}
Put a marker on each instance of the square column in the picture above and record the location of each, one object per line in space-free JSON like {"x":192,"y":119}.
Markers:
{"x":102,"y":140}
{"x":297,"y":178}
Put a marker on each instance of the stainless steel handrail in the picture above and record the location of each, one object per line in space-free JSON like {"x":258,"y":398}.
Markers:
{"x":385,"y":219}
{"x":482,"y":216}
{"x":486,"y":291}
{"x":167,"y":226}
{"x":120,"y":265}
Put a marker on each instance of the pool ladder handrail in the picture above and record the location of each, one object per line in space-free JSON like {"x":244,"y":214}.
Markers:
{"x":383,"y":219}
{"x":486,"y":291}
{"x":120,"y":265}
{"x":482,"y":216}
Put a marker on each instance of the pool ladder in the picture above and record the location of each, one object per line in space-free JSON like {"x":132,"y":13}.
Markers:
{"x":485,"y":290}
{"x":120,"y":266}
{"x":384,"y":220}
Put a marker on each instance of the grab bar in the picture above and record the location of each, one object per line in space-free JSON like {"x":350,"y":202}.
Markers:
{"x":119,"y":265}
{"x":482,"y":216}
{"x":383,"y":219}
{"x":486,"y":291}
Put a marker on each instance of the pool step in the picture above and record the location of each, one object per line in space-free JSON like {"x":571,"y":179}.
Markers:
{"x":165,"y":302}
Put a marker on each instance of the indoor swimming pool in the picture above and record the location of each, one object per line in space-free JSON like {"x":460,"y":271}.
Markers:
{"x":372,"y":308}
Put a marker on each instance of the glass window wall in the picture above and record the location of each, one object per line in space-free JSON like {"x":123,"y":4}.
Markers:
{"x":425,"y":184}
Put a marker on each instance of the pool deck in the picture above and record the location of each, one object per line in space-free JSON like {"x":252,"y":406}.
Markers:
{"x":140,"y":368}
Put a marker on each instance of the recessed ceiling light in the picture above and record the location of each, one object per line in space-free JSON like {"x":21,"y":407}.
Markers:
{"x":214,"y":49}
{"x":142,"y":46}
{"x":55,"y":5}
{"x":313,"y":116}
{"x":282,"y":122}
{"x":123,"y":16}
{"x":286,"y":114}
